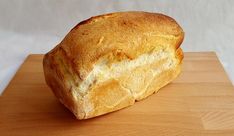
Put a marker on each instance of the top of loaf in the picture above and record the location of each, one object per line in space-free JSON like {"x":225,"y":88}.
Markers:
{"x":117,"y":36}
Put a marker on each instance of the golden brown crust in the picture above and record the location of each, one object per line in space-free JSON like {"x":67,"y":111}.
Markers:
{"x":114,"y":38}
{"x":133,"y":33}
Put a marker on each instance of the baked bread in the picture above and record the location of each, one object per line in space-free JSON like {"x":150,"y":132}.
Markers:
{"x":110,"y":61}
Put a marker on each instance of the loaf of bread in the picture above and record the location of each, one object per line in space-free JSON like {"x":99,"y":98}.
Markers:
{"x":110,"y":61}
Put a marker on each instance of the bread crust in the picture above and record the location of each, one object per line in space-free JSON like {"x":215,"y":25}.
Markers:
{"x":113,"y":38}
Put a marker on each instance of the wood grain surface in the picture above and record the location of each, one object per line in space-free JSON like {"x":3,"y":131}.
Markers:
{"x":199,"y":102}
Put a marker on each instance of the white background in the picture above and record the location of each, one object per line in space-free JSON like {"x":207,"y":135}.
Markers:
{"x":36,"y":26}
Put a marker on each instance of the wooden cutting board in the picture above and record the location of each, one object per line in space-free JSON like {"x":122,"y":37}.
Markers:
{"x":199,"y":102}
